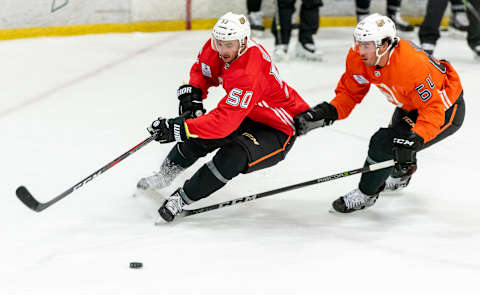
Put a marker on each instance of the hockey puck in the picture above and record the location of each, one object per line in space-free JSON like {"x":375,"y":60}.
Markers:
{"x":136,"y":265}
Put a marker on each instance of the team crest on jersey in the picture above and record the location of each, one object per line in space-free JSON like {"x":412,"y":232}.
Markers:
{"x":380,"y":23}
{"x":206,"y":70}
{"x":360,"y":79}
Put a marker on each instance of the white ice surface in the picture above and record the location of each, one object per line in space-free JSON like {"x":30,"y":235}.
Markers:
{"x":70,"y":105}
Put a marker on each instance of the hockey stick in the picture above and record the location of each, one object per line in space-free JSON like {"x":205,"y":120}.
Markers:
{"x":277,"y":22}
{"x":472,"y":9}
{"x":26,"y":197}
{"x":369,"y":168}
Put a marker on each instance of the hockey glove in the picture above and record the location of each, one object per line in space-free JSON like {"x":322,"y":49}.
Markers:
{"x":321,"y":115}
{"x":405,"y":152}
{"x":168,"y":130}
{"x":191,"y":104}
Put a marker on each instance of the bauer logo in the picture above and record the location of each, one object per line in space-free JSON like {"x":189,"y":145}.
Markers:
{"x":360,"y":79}
{"x":206,"y":70}
{"x":184,"y":90}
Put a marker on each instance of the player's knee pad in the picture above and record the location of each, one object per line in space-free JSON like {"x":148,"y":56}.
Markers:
{"x":381,"y":145}
{"x":230,"y":160}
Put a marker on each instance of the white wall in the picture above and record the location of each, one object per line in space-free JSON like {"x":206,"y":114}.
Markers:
{"x":36,"y":13}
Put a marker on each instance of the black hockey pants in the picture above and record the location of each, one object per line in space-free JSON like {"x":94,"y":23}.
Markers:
{"x":309,"y":20}
{"x":254,"y":146}
{"x":381,"y":143}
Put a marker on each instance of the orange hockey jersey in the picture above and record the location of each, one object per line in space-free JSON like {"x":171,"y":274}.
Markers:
{"x":411,"y":80}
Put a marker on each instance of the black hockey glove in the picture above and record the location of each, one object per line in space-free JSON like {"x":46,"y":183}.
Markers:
{"x":168,"y":130}
{"x":191,"y":104}
{"x":405,"y":151}
{"x":322,"y":115}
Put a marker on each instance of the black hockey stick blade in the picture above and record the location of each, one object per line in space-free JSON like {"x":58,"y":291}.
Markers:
{"x":26,"y":197}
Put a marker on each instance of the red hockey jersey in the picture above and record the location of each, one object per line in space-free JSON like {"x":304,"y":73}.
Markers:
{"x":254,"y":90}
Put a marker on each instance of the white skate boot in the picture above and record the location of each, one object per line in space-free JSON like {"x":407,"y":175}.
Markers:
{"x":161,"y":179}
{"x":308,"y":51}
{"x":280,"y":53}
{"x":353,"y":201}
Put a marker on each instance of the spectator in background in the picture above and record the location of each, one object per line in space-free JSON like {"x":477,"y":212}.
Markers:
{"x":309,"y":23}
{"x":255,"y":16}
{"x":460,"y":19}
{"x":393,"y":12}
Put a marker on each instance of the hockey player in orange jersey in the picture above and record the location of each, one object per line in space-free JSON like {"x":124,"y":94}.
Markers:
{"x":251,"y":128}
{"x":427,"y":94}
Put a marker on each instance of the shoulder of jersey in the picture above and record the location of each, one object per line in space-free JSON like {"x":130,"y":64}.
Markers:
{"x":408,"y":59}
{"x":251,"y":61}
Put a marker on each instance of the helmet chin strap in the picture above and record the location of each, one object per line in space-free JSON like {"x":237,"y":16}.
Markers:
{"x":381,"y":55}
{"x":394,"y":42}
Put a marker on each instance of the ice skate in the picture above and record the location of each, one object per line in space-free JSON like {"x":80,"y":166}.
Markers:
{"x":354,"y":201}
{"x":172,"y":206}
{"x":400,"y":23}
{"x":308,"y":51}
{"x":428,"y":48}
{"x":396,"y":183}
{"x":161,"y":179}
{"x":256,"y":23}
{"x":459,"y":21}
{"x":476,"y":53}
{"x":280,"y":53}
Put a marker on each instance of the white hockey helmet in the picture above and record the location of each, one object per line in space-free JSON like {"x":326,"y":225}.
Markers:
{"x":376,"y":28}
{"x":230,"y":27}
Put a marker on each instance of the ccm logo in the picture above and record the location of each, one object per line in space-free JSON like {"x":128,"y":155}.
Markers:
{"x":403,"y":141}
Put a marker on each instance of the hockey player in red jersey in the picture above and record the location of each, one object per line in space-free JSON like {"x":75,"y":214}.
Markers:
{"x":429,"y":105}
{"x":252,"y":126}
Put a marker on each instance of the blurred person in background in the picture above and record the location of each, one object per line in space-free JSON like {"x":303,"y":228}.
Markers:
{"x":461,"y":19}
{"x":255,"y":17}
{"x":393,"y":12}
{"x":309,"y":23}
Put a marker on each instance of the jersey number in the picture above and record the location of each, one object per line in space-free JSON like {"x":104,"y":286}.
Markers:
{"x":234,"y":98}
{"x":423,"y":91}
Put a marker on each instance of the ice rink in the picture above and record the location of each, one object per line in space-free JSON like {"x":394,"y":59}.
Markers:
{"x":70,"y":105}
